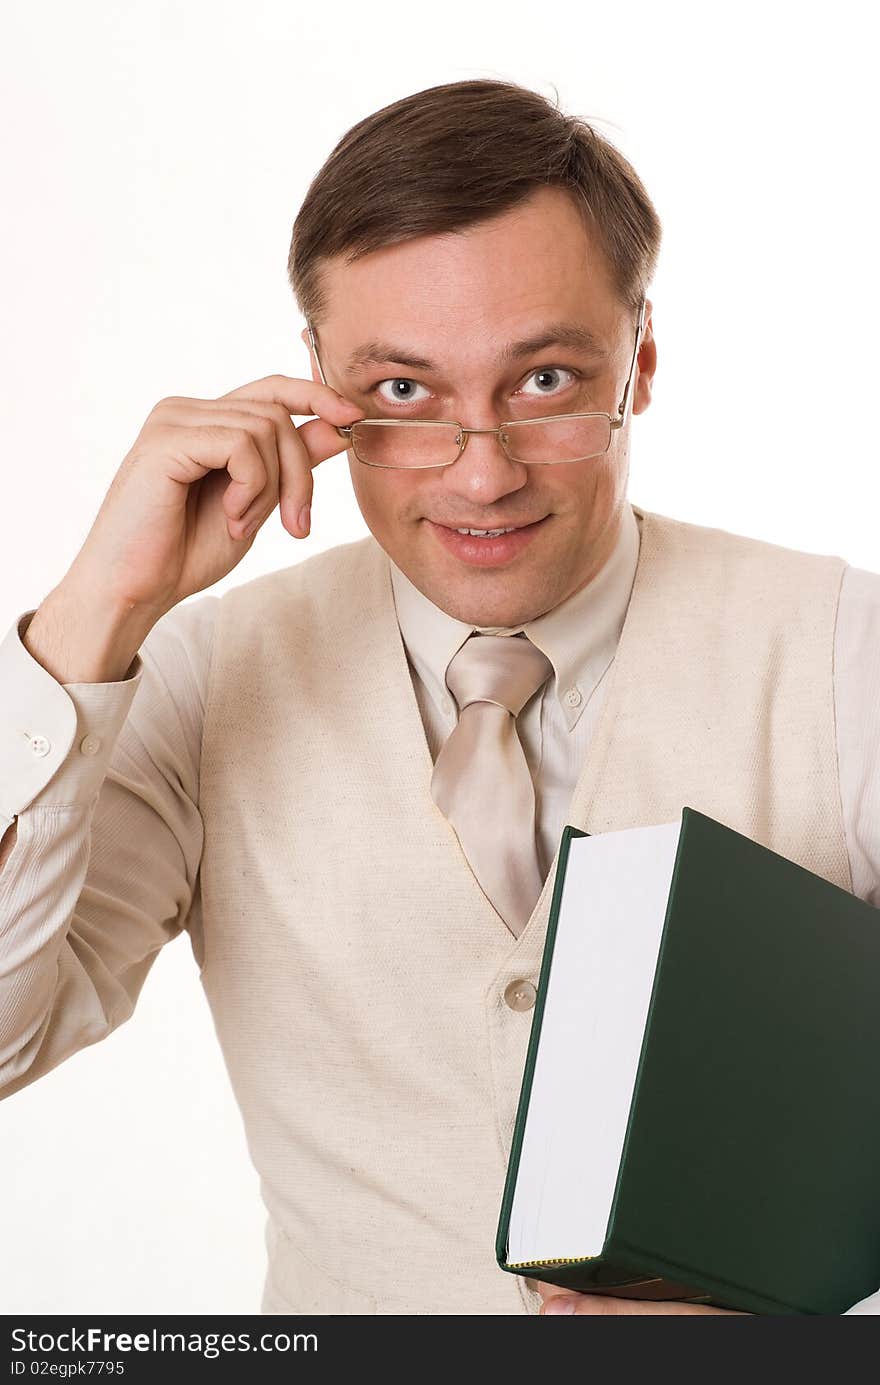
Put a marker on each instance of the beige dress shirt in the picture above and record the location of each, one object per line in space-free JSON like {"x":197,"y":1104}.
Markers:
{"x":73,"y":763}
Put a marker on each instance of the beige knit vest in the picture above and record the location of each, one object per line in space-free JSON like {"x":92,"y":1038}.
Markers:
{"x":354,"y":970}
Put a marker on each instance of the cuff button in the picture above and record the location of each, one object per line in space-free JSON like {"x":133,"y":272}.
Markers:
{"x":90,"y":745}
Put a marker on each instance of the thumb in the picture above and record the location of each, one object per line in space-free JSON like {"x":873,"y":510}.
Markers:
{"x":321,"y":439}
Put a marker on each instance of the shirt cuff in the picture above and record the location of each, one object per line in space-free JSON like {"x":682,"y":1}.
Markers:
{"x":56,"y":739}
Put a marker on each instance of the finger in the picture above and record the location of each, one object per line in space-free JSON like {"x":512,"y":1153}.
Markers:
{"x":211,"y":449}
{"x":291,"y":467}
{"x":592,"y":1305}
{"x":304,"y":447}
{"x":295,"y":462}
{"x":242,"y":502}
{"x":605,"y":1305}
{"x":321,"y":440}
{"x":206,"y":447}
{"x":300,"y":398}
{"x":252,"y":492}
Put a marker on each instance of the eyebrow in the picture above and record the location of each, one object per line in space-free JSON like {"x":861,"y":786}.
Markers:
{"x":567,"y":334}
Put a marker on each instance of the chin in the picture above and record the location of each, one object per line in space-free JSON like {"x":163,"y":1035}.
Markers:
{"x":474,"y":608}
{"x":502,"y":597}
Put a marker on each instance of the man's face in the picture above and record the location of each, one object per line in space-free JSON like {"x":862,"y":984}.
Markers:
{"x":458,"y":300}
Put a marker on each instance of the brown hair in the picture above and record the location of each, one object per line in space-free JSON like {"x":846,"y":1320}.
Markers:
{"x":454,"y":155}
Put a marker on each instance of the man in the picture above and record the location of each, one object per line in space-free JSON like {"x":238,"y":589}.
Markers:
{"x":348,"y":779}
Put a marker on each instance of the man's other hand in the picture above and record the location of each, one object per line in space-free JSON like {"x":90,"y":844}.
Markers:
{"x":557,"y":1300}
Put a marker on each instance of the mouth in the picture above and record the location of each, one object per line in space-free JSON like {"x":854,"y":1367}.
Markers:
{"x":487,"y":548}
{"x":492,"y":529}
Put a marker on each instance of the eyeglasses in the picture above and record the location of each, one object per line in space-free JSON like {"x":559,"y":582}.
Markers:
{"x":403,"y":443}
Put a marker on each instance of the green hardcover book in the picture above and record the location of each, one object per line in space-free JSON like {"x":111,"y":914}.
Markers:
{"x":700,"y":1111}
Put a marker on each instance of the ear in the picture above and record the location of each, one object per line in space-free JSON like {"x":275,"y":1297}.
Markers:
{"x":646,"y":363}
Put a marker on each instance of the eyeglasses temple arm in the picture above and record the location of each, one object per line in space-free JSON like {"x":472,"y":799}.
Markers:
{"x":314,"y":346}
{"x":621,"y":408}
{"x":343,"y":432}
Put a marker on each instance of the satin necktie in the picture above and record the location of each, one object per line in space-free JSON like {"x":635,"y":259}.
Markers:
{"x":481,"y":781}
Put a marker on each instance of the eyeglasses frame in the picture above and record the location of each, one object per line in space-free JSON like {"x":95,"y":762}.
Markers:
{"x":616,"y":423}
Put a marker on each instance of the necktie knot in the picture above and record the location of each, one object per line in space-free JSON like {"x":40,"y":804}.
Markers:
{"x":504,"y":669}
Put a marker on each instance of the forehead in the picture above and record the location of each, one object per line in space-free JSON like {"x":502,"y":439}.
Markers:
{"x":481,"y":288}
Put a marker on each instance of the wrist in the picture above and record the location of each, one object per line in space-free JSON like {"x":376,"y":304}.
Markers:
{"x":80,"y":635}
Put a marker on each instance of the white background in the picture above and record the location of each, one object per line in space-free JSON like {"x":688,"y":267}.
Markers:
{"x":155,"y":155}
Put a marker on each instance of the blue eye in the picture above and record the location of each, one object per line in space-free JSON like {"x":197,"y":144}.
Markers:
{"x":550,"y":370}
{"x":398,"y":397}
{"x":402,"y":389}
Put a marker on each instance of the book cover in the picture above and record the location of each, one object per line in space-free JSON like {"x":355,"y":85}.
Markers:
{"x":748,"y":1174}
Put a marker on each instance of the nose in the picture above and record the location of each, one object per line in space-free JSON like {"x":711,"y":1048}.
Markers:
{"x":483,"y":471}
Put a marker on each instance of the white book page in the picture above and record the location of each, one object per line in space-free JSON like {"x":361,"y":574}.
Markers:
{"x":602,"y":974}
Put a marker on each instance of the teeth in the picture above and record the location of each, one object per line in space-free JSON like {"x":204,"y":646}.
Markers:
{"x":484,"y":533}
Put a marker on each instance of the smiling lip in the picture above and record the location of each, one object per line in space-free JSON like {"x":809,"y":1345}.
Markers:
{"x":489,"y":552}
{"x":464,"y":525}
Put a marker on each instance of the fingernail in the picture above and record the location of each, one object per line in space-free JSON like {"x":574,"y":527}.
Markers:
{"x":560,"y":1304}
{"x":304,"y":518}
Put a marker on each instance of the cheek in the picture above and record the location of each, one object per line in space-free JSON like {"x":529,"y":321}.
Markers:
{"x":365,"y":484}
{"x":610,"y":472}
{"x":591,"y":497}
{"x":382,"y":496}
{"x":586,"y":484}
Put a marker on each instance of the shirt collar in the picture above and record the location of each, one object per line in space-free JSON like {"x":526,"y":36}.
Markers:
{"x":579,"y":636}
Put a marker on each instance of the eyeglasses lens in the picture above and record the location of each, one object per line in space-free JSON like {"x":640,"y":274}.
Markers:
{"x":401,"y":444}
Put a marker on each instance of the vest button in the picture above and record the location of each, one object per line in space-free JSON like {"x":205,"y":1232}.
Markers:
{"x":520,"y":995}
